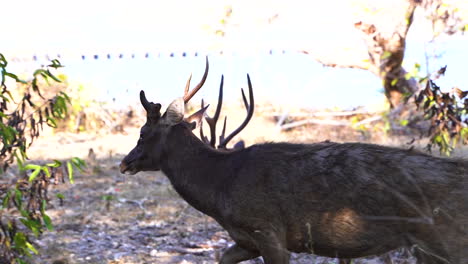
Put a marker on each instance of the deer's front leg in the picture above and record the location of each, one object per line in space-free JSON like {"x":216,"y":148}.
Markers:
{"x":236,"y":254}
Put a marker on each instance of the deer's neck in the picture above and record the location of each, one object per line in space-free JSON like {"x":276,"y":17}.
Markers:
{"x":195,"y":170}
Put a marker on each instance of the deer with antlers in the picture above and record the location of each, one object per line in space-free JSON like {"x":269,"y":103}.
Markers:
{"x":338,"y":200}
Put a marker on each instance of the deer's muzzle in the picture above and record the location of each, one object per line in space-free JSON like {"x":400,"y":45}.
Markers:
{"x":124,"y":168}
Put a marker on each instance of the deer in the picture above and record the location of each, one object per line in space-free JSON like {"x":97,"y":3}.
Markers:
{"x":341,"y":200}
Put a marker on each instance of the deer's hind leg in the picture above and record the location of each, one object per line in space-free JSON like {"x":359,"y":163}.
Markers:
{"x":236,"y":254}
{"x":272,"y":250}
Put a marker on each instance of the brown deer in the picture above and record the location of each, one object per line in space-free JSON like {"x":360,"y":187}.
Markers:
{"x":345,"y":200}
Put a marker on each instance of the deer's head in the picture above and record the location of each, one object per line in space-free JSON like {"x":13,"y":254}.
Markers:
{"x":146,"y":155}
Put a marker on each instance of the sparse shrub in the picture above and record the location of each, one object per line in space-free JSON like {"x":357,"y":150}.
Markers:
{"x":448,"y":116}
{"x":24,"y":194}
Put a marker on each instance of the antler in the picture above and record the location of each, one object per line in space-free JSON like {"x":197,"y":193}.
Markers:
{"x":151,"y":108}
{"x":213,"y":120}
{"x":188,"y":95}
{"x":249,"y":106}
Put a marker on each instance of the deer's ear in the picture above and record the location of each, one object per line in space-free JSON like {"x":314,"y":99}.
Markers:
{"x":197,"y":117}
{"x":175,"y":112}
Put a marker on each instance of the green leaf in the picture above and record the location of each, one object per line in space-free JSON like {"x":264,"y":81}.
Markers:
{"x":6,"y":100}
{"x":20,"y":240}
{"x":55,"y":64}
{"x":437,"y":139}
{"x":39,"y":72}
{"x":48,"y":73}
{"x":34,"y":175}
{"x":46,"y":171}
{"x":404,"y":122}
{"x":70,"y":172}
{"x":60,"y":107}
{"x":18,"y":198}
{"x":66,"y":97}
{"x":43,"y":205}
{"x":6,"y":200}
{"x":408,"y":76}
{"x":32,"y":248}
{"x":34,"y":85}
{"x":36,"y":169}
{"x":19,"y":160}
{"x":32,"y":167}
{"x":464,"y":133}
{"x":32,"y":225}
{"x":51,"y":122}
{"x":107,"y":197}
{"x":47,"y":222}
{"x":56,"y":164}
{"x":9,"y":95}
{"x":79,"y":163}
{"x":24,"y":213}
{"x":14,"y":77}
{"x":8,"y":133}
{"x":3,"y":61}
{"x":386,"y":55}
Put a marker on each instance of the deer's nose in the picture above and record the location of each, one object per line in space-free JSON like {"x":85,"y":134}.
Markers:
{"x":123,"y":167}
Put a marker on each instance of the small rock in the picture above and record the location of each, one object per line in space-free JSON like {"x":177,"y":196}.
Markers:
{"x":119,"y":255}
{"x":154,"y":252}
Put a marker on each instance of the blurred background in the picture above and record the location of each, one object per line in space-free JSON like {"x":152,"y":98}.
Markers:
{"x":115,"y":49}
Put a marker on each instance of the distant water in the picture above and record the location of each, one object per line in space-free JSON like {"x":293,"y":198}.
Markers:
{"x":287,"y":78}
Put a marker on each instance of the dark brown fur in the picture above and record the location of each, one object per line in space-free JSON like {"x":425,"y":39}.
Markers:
{"x":339,"y":200}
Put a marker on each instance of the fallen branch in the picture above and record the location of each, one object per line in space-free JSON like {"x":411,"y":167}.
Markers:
{"x":325,"y":114}
{"x":368,"y":120}
{"x":191,"y":251}
{"x":329,"y":122}
{"x":315,"y":122}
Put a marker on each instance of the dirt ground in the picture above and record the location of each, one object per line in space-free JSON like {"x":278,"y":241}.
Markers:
{"x":107,"y":217}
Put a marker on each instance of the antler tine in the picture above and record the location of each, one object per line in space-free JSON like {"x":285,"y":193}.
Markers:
{"x":223,"y":132}
{"x":188,"y":95}
{"x":250,"y":110}
{"x":212,"y":121}
{"x":187,"y":85}
{"x":246,"y":104}
{"x":202,"y":136}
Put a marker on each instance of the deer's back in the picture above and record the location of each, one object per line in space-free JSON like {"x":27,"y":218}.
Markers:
{"x":343,"y":195}
{"x":326,"y":168}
